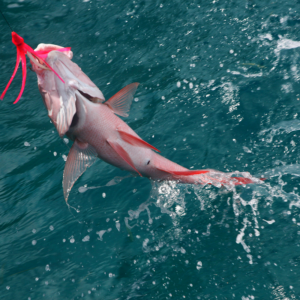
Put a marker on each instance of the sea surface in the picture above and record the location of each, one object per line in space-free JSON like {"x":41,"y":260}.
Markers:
{"x":219,"y":89}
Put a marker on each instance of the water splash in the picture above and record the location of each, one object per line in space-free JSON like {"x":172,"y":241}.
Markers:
{"x":251,"y":205}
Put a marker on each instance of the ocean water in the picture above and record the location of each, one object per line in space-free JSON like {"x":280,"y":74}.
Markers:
{"x":219,"y":88}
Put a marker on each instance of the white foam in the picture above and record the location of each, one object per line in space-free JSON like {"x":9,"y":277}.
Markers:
{"x":86,"y":238}
{"x":269,"y":222}
{"x":118,"y":225}
{"x":199,"y":265}
{"x":100,"y":233}
{"x":286,"y":44}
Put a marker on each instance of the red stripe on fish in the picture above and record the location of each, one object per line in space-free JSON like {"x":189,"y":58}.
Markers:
{"x":122,"y":153}
{"x":135,"y":141}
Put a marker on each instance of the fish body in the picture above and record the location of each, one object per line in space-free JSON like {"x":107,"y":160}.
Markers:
{"x":103,"y":128}
{"x":78,"y":109}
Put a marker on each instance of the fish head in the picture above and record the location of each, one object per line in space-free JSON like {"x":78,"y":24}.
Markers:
{"x":44,"y":49}
{"x":62,"y":98}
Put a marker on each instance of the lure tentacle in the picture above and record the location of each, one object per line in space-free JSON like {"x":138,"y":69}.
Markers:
{"x":24,"y":74}
{"x":13,"y":75}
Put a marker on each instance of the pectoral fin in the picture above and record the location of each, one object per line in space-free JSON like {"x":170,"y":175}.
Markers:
{"x":81,"y":156}
{"x":136,"y":141}
{"x":120,"y":103}
{"x":122,"y":153}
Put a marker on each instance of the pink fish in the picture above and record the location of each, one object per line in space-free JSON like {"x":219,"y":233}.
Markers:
{"x":78,"y":109}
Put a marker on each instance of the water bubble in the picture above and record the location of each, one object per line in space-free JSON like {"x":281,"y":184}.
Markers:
{"x":86,"y":238}
{"x":199,"y":265}
{"x":100,"y":233}
{"x":118,"y":225}
{"x":82,"y":189}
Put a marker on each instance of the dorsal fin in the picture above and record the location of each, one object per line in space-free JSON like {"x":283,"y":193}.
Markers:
{"x":120,"y":103}
{"x":136,"y":141}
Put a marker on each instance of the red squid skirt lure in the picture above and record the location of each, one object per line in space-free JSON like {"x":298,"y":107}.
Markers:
{"x":37,"y":57}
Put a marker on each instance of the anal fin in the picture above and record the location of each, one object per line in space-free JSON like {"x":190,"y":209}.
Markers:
{"x":81,"y":156}
{"x":133,"y":140}
{"x":122,"y":153}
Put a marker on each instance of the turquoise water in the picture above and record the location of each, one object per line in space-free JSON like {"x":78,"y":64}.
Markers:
{"x":219,"y":89}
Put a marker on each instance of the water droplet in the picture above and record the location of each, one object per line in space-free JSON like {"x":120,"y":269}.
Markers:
{"x":199,"y":265}
{"x":86,"y":238}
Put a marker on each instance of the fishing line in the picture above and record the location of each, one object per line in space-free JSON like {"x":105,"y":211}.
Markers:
{"x":6,"y":20}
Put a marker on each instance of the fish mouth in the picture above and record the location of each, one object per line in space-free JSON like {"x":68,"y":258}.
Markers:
{"x":36,"y":61}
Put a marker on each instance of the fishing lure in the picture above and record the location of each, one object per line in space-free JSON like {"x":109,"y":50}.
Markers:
{"x":37,"y":57}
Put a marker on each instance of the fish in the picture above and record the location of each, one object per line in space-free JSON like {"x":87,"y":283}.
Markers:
{"x":78,"y":109}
